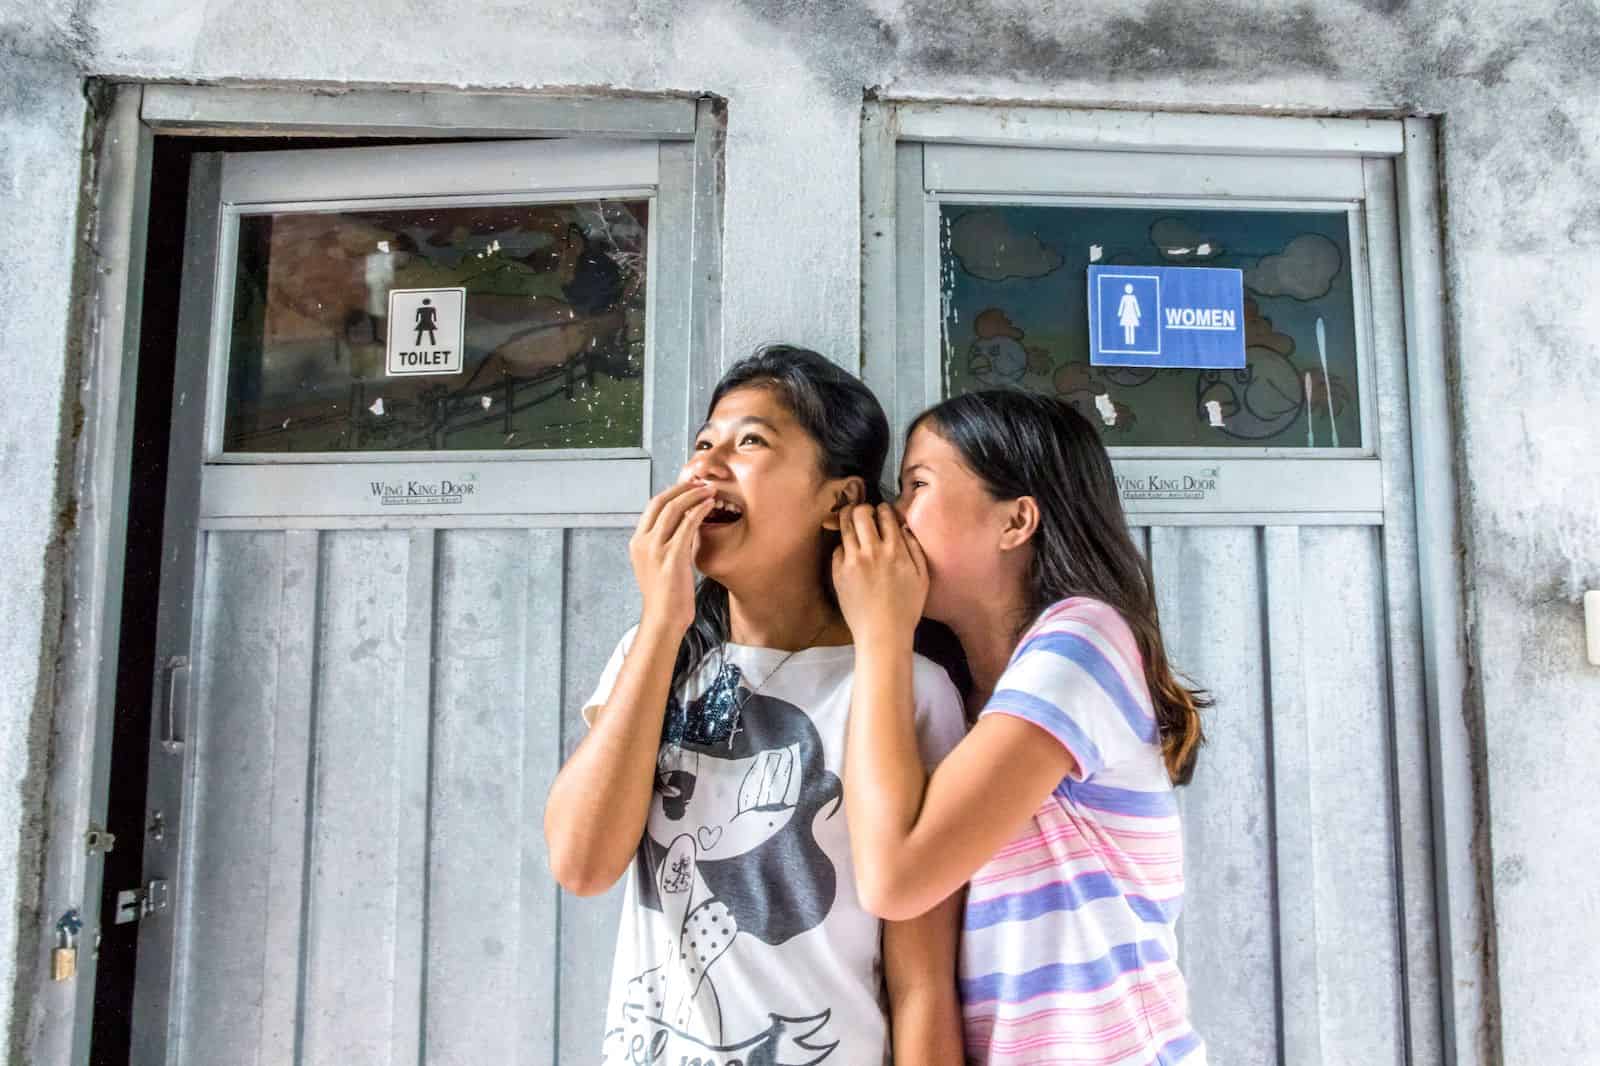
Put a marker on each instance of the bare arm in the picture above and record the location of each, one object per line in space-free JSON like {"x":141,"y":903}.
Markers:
{"x":914,"y":843}
{"x":596,"y":810}
{"x":598,"y":804}
{"x":919,"y":965}
{"x":977,"y":801}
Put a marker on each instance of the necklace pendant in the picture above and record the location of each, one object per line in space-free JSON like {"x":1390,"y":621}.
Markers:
{"x":712,"y":716}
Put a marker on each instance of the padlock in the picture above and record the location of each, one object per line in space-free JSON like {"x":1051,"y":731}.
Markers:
{"x":64,"y":959}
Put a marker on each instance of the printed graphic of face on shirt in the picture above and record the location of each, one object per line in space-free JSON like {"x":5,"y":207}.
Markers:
{"x":731,"y":806}
{"x":731,"y":860}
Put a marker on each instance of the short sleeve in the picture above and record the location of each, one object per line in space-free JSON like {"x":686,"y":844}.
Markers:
{"x":608,"y":677}
{"x":1077,"y":675}
{"x":941,"y":719}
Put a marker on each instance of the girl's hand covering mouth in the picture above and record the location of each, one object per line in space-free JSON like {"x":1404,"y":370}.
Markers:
{"x":662,"y":551}
{"x":880,"y":575}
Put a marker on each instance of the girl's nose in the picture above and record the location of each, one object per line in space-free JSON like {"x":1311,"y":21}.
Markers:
{"x":706,"y":463}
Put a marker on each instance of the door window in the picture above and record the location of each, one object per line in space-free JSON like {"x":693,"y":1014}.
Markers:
{"x":1014,"y":315}
{"x":993,"y":248}
{"x":479,"y":330}
{"x":551,"y":322}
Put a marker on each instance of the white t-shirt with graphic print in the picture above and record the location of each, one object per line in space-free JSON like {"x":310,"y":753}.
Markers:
{"x":742,"y":939}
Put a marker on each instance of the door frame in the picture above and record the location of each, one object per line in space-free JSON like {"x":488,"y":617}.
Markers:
{"x":112,"y":254}
{"x":1440,"y":879}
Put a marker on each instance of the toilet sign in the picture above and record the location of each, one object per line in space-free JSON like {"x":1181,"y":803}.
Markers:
{"x":1190,"y":317}
{"x":426,"y":327}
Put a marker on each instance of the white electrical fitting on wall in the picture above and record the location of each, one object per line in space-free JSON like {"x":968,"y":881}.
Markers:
{"x":1591,"y":624}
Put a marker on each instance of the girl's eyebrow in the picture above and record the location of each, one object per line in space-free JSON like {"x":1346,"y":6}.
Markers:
{"x":916,"y":466}
{"x":745,"y":421}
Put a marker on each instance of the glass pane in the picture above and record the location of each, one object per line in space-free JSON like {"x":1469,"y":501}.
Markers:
{"x":1013,"y":281}
{"x":553,"y":329}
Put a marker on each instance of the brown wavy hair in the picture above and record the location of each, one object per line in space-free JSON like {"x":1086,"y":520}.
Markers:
{"x":1023,"y":444}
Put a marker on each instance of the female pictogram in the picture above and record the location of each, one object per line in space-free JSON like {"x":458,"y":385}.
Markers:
{"x":427,"y":322}
{"x":1128,"y":314}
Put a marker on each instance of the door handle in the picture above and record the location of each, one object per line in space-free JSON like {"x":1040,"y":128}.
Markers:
{"x":175,"y":690}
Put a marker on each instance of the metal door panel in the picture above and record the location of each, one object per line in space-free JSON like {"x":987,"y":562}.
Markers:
{"x":434,"y":170}
{"x":1308,"y":933}
{"x":490,"y":932}
{"x":541,"y":708}
{"x":291,"y":111}
{"x":159,"y":1015}
{"x":290,"y":801}
{"x":1411,"y":773}
{"x":969,"y":169}
{"x":548,"y":487}
{"x":1289,"y":823}
{"x":1352,"y":802}
{"x":602,"y":602}
{"x":1295,"y":831}
{"x":220,"y":972}
{"x":1208,"y":583}
{"x":369,"y":876}
{"x":355,"y":885}
{"x":1049,"y":126}
{"x":378,"y":712}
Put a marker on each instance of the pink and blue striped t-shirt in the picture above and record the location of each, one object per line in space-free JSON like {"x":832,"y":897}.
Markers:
{"x":1069,"y":954}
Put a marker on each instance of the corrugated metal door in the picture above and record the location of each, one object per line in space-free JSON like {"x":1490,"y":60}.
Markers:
{"x":1279,"y":524}
{"x":384,"y":597}
{"x":383,"y":712}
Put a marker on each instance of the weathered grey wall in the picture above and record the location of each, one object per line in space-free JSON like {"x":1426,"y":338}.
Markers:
{"x":41,"y":141}
{"x":1519,"y":92}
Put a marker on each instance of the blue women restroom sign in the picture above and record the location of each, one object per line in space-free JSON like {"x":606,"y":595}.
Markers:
{"x":1189,"y":317}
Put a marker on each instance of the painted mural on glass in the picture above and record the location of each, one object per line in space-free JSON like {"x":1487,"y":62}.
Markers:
{"x":1015,"y":315}
{"x":553,"y":329}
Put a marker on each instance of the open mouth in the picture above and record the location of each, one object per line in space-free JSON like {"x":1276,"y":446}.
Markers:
{"x":724,"y":513}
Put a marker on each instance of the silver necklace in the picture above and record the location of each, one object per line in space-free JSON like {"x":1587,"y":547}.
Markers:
{"x":743,"y":698}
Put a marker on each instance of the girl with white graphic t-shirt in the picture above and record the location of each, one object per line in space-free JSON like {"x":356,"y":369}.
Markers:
{"x":712,"y":768}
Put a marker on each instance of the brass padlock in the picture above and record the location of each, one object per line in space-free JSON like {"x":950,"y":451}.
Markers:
{"x":64,"y":959}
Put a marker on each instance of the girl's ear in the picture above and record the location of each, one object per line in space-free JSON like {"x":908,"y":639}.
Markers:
{"x":845,"y":492}
{"x":1022,"y":522}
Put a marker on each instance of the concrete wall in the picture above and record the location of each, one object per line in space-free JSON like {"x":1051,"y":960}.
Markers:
{"x":41,"y":146}
{"x":1517,"y":87}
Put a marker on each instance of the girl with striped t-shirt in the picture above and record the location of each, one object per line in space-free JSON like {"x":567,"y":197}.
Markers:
{"x":1058,"y":806}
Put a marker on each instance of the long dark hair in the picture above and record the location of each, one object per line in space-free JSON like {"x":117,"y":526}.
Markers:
{"x":1023,"y":444}
{"x":852,"y":433}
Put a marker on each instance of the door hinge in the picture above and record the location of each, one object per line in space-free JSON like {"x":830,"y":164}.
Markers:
{"x":136,"y":903}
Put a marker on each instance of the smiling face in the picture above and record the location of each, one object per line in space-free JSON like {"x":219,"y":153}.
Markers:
{"x":958,"y":523}
{"x":772,"y":498}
